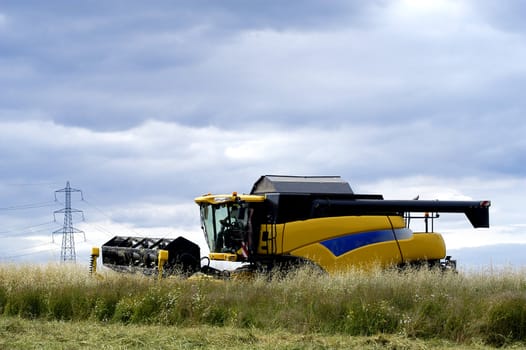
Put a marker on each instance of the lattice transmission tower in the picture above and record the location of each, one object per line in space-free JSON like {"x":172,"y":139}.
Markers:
{"x":67,"y":252}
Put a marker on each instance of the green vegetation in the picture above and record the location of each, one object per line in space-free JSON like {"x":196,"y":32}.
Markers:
{"x":16,"y":333}
{"x":376,"y":308}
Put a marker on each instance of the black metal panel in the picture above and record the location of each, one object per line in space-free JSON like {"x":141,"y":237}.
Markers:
{"x":301,"y":184}
{"x":476,"y":211}
{"x":132,"y":253}
{"x":286,"y":207}
{"x":296,"y":206}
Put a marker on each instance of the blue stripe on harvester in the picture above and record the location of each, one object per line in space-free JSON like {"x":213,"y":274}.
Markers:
{"x":344,"y":244}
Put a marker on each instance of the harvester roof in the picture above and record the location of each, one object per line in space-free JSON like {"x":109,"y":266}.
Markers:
{"x":301,"y":184}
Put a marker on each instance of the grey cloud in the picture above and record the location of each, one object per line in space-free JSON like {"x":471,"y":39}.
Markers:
{"x":131,"y":64}
{"x":505,"y":15}
{"x":492,"y":258}
{"x":110,"y":72}
{"x":227,"y":14}
{"x":141,"y":106}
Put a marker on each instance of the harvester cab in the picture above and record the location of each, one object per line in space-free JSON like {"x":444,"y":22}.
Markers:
{"x":289,"y":220}
{"x":227,"y":223}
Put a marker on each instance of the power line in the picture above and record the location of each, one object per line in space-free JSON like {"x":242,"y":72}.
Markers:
{"x":27,"y":228}
{"x":27,"y":184}
{"x":101,"y":229}
{"x":12,"y":257}
{"x":30,"y":206}
{"x":110,"y":218}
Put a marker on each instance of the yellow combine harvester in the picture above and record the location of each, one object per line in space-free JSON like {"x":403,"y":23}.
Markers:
{"x":292,"y":220}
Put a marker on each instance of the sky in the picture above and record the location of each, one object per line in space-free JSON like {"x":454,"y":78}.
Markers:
{"x":145,"y":106}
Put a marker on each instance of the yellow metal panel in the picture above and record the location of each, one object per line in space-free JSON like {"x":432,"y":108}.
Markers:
{"x":228,"y":198}
{"x":222,"y":256}
{"x":298,"y":234}
{"x":423,"y":246}
{"x":368,"y":257}
{"x":274,"y":243}
{"x":95,"y":251}
{"x":163,"y":255}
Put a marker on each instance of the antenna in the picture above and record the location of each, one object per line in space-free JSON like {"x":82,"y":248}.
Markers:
{"x":67,"y":252}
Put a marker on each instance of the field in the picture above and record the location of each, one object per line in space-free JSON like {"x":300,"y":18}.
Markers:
{"x":63,"y":307}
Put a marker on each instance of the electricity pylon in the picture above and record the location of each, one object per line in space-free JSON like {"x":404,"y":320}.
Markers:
{"x":67,"y":253}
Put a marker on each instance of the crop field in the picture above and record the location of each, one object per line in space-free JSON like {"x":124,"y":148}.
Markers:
{"x":63,"y":307}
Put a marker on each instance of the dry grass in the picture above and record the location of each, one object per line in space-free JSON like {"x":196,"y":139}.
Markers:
{"x":470,"y":309}
{"x":17,"y":333}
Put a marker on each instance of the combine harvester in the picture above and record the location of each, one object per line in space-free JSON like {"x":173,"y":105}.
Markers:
{"x":288,"y":221}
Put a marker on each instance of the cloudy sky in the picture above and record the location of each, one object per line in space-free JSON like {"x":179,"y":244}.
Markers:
{"x":145,"y":106}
